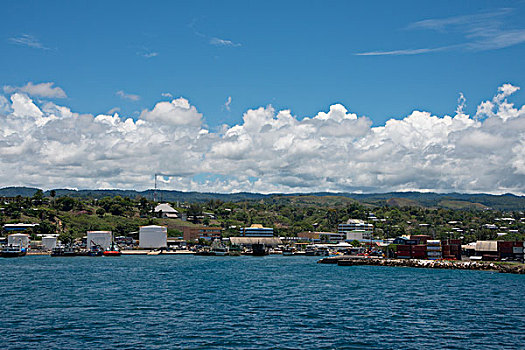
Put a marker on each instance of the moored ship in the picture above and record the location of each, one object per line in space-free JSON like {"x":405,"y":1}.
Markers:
{"x":13,"y":251}
{"x":65,"y":251}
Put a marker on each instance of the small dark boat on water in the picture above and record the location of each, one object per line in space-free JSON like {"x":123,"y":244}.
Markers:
{"x":13,"y":251}
{"x":95,"y":250}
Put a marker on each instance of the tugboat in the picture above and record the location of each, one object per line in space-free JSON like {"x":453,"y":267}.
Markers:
{"x":259,"y":249}
{"x":95,"y":250}
{"x":113,"y":250}
{"x":13,"y":251}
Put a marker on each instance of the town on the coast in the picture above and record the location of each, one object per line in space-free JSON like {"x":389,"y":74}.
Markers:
{"x":343,"y":230}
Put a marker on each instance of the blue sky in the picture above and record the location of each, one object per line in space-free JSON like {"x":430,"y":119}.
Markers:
{"x":297,"y":55}
{"x":202,"y":90}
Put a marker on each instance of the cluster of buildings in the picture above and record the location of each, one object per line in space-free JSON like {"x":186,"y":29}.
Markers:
{"x":409,"y":247}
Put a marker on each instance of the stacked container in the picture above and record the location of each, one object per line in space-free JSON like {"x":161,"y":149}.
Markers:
{"x":419,"y":251}
{"x":511,"y":250}
{"x":404,"y":251}
{"x":434,"y":249}
{"x":451,"y":249}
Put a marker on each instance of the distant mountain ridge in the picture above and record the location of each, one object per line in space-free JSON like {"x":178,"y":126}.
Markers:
{"x":424,"y":199}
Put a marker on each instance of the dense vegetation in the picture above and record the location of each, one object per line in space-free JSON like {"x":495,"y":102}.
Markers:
{"x":288,"y":215}
{"x":506,"y":202}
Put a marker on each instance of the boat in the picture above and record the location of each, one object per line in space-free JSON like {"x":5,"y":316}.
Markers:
{"x":64,"y":251}
{"x":95,"y":250}
{"x":288,"y":251}
{"x":218,"y":249}
{"x":113,"y":250}
{"x":13,"y":251}
{"x":311,"y":250}
{"x":259,"y":249}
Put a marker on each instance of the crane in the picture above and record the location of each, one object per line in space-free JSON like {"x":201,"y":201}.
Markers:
{"x":164,"y":175}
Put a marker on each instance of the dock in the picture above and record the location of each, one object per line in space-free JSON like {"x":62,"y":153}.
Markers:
{"x":156,"y":252}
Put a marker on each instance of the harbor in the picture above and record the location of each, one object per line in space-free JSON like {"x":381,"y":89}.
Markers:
{"x":270,"y":302}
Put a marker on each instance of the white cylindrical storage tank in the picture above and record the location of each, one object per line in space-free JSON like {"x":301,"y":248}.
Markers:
{"x":21,"y":239}
{"x":153,"y":237}
{"x":100,"y":238}
{"x":49,"y":242}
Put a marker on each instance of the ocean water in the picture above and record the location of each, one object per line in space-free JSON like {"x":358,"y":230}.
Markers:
{"x":198,"y":302}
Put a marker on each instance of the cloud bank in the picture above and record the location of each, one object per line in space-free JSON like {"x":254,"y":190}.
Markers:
{"x":47,"y":145}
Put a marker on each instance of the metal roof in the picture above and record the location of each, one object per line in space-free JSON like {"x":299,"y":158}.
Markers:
{"x":165,"y":208}
{"x":487,"y":246}
{"x":273,"y":241}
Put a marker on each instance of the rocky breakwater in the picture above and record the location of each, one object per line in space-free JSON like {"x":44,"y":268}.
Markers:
{"x":515,"y":268}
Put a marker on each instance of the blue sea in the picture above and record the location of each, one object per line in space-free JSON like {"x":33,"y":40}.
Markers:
{"x":273,"y":302}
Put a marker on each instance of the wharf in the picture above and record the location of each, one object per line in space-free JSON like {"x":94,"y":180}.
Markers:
{"x":149,"y":252}
{"x":38,"y":253}
{"x":347,"y":260}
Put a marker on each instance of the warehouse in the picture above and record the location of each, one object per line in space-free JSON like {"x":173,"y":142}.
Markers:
{"x":49,"y":242}
{"x":153,"y":237}
{"x":103,"y":239}
{"x":20,"y":239}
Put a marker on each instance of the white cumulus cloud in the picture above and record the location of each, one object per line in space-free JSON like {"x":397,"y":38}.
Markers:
{"x":47,"y":145}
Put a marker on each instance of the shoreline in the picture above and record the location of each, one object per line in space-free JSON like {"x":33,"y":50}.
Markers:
{"x":514,"y":268}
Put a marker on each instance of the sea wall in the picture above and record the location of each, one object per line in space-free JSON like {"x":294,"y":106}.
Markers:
{"x":515,"y":268}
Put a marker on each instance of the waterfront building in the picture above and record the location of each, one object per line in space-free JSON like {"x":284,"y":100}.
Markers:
{"x":153,"y":237}
{"x":18,"y":228}
{"x":257,"y":230}
{"x":198,"y":232}
{"x":103,"y":239}
{"x":49,"y":242}
{"x":355,"y":229}
{"x":20,"y":239}
{"x":321,"y":236}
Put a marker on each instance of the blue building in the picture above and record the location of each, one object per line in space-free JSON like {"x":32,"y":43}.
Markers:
{"x":256,"y":230}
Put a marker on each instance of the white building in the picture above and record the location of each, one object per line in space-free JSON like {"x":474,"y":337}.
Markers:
{"x":355,"y":229}
{"x":20,"y":239}
{"x":359,"y":235}
{"x":100,"y":238}
{"x":164,"y":210}
{"x":153,"y":237}
{"x":49,"y":242}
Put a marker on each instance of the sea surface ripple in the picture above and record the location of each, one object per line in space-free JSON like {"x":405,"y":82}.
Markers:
{"x":198,"y":302}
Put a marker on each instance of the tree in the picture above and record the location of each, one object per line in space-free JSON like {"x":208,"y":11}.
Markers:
{"x":66,"y":203}
{"x":66,"y":237}
{"x":52,"y":194}
{"x":38,"y":197}
{"x":194,"y":211}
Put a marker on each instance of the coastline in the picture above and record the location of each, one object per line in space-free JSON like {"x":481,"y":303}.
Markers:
{"x":347,"y":260}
